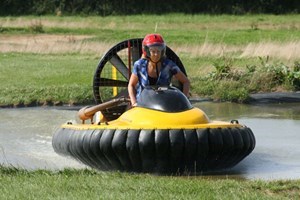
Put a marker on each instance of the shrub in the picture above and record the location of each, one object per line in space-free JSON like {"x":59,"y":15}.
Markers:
{"x":231,"y":91}
{"x":294,"y":76}
{"x":230,"y":84}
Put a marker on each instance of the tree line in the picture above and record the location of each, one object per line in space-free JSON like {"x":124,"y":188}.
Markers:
{"x":126,"y":7}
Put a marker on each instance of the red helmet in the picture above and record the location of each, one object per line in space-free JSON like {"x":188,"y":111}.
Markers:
{"x":151,"y":40}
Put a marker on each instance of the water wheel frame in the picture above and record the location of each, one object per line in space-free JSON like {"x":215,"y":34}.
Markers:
{"x":134,"y":47}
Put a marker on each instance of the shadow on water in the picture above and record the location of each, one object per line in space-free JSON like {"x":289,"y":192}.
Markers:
{"x":26,"y":135}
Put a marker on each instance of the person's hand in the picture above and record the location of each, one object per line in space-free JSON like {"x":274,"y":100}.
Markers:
{"x":134,"y":105}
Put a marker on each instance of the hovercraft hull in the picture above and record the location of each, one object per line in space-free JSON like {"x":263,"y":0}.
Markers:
{"x":156,"y":150}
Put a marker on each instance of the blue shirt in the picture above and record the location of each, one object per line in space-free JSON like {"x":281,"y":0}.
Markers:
{"x":168,"y":69}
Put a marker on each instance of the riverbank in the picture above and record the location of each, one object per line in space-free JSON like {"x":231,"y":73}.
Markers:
{"x":90,"y":184}
{"x":262,"y":98}
{"x":259,"y":98}
{"x":275,"y":97}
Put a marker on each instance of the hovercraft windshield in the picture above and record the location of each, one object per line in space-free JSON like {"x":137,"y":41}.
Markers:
{"x":167,"y":99}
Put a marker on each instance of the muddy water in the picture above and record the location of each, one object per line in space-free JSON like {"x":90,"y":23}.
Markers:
{"x":25,"y":138}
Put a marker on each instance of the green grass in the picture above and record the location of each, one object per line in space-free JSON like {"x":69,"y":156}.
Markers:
{"x":89,"y":184}
{"x":32,"y":78}
{"x":48,"y":70}
{"x":176,"y":28}
{"x":63,"y":71}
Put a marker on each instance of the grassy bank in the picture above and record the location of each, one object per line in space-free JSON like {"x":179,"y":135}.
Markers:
{"x":88,"y":184}
{"x":51,"y":60}
{"x":33,"y":79}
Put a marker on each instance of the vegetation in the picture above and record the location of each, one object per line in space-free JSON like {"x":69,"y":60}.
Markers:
{"x":32,"y":79}
{"x":228,"y":84}
{"x":51,"y":60}
{"x":89,"y":184}
{"x":104,"y":7}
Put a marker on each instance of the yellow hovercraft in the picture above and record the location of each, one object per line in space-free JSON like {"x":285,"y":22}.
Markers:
{"x":163,"y":134}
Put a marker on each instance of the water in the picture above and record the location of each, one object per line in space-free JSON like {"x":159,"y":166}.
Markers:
{"x":276,"y":129}
{"x":26,"y":134}
{"x":26,"y":138}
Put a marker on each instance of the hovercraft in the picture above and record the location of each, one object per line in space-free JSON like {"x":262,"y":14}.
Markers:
{"x":163,"y":134}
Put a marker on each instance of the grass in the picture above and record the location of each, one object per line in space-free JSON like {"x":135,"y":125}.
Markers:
{"x":35,"y":79}
{"x":176,"y":28}
{"x":90,"y":184}
{"x":51,"y":59}
{"x":32,"y":79}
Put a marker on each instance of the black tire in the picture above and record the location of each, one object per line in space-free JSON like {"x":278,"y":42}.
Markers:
{"x":163,"y":151}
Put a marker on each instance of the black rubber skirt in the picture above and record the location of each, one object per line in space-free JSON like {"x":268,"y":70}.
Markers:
{"x":156,"y":151}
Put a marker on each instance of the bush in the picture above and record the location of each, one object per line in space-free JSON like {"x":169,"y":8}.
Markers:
{"x":231,"y":91}
{"x":230,"y":84}
{"x":294,"y":76}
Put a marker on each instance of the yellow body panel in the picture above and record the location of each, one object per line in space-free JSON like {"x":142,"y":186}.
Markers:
{"x":143,"y":118}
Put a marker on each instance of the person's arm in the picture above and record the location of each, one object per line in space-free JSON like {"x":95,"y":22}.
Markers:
{"x":131,"y":88}
{"x":185,"y":82}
